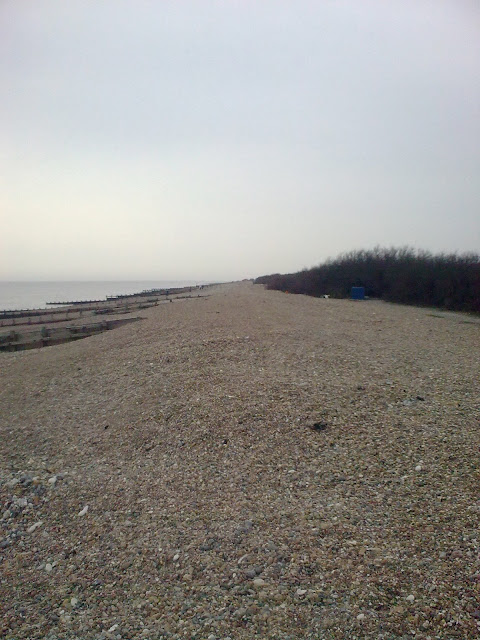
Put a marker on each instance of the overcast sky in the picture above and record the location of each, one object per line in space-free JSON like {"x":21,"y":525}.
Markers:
{"x":219,"y":140}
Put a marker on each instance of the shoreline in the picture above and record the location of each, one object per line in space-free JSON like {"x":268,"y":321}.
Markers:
{"x":73,"y":321}
{"x":29,"y":296}
{"x":215,"y":507}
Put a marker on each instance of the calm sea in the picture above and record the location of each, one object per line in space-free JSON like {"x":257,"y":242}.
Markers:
{"x":35,"y":295}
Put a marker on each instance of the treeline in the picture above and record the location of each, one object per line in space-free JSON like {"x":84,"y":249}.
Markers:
{"x":404,"y":275}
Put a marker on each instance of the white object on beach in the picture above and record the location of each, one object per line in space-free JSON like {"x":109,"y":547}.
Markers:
{"x":83,"y":511}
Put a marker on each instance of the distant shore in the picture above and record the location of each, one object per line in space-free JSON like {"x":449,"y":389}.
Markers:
{"x":63,"y":322}
{"x":36,"y":295}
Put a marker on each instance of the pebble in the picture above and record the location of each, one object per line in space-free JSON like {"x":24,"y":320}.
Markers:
{"x":34,"y":526}
{"x":410,"y":598}
{"x":361,"y":616}
{"x":48,"y":567}
{"x":418,"y":467}
{"x":52,"y":480}
{"x":248,"y":525}
{"x":397,"y":609}
{"x":258,"y":582}
{"x":74,"y":602}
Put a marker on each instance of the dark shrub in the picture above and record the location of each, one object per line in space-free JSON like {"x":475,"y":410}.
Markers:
{"x":405,"y":275}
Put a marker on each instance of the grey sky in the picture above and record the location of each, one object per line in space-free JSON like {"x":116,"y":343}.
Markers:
{"x":222,"y":139}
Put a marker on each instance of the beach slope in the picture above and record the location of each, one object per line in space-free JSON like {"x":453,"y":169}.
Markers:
{"x":248,"y":464}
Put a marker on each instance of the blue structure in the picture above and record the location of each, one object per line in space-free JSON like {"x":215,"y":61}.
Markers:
{"x":358,"y":293}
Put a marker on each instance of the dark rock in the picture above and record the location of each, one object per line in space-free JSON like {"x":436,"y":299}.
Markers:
{"x":319,"y":426}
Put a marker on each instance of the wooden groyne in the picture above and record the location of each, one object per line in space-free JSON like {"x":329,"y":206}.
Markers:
{"x":156,"y":293}
{"x":48,"y":336}
{"x":71,"y":303}
{"x":150,"y":296}
{"x":63,"y":314}
{"x":19,"y":321}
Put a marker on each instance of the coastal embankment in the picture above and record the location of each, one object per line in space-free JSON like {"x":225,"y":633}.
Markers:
{"x":249,"y":464}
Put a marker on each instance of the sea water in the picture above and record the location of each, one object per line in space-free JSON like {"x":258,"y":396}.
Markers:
{"x":35,"y":295}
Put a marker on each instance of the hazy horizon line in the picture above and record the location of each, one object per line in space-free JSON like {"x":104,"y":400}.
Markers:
{"x":117,"y":280}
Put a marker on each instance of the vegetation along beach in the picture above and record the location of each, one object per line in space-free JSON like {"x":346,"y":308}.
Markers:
{"x":245,"y":464}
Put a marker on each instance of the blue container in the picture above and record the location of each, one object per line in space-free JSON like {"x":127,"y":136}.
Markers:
{"x":358,"y":293}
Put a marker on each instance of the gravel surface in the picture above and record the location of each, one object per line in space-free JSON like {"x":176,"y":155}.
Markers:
{"x":247,"y":465}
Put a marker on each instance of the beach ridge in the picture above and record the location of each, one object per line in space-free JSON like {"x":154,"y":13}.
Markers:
{"x":250,"y":464}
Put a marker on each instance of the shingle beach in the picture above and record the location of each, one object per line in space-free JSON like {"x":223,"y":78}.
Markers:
{"x":247,"y":464}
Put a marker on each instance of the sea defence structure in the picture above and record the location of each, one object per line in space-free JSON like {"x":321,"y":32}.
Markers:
{"x":33,"y":328}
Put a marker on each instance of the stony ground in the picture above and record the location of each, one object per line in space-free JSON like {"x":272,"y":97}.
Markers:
{"x":247,"y":465}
